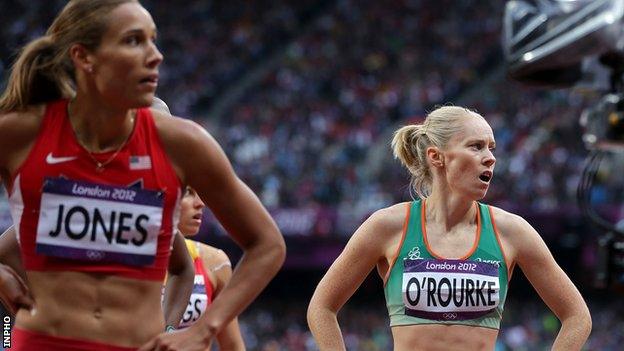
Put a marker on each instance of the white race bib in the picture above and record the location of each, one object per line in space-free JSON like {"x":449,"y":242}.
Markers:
{"x":449,"y":289}
{"x":100,"y":223}
{"x":197,"y":304}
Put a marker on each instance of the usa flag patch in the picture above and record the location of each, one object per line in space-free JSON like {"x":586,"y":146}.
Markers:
{"x":140,"y":162}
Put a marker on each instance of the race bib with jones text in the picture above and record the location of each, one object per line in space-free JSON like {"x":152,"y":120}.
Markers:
{"x":99,"y":223}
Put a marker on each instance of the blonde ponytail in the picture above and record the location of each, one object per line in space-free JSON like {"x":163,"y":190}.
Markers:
{"x":410,"y":143}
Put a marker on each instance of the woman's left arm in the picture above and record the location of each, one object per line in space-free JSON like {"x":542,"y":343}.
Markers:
{"x":200,"y":162}
{"x":551,"y":283}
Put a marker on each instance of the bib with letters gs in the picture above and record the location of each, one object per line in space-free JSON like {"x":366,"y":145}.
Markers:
{"x":99,"y":223}
{"x":441,"y":289}
{"x":197,"y":303}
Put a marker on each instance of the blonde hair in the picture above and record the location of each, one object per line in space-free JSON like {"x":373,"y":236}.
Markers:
{"x":43,"y":70}
{"x":410,"y":143}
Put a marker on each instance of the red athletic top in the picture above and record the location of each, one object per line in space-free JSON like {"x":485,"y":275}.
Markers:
{"x":70,"y":216}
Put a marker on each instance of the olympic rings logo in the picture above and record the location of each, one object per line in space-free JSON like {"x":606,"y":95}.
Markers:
{"x":95,"y":255}
{"x":450,"y":315}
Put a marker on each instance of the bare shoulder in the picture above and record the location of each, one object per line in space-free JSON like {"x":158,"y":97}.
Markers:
{"x":517,"y":235}
{"x":188,"y":146}
{"x":392,"y":218}
{"x":384,"y":225}
{"x":172,"y":129}
{"x":18,"y":131}
{"x":22,"y":123}
{"x":212,"y":256}
{"x":509,"y":223}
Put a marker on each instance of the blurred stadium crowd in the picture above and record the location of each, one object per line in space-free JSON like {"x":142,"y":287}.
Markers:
{"x":311,"y":133}
{"x":303,"y":96}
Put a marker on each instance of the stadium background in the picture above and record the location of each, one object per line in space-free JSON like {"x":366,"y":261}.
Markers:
{"x":303,"y":96}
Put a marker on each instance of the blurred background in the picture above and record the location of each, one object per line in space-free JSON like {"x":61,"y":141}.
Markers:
{"x":304,"y":95}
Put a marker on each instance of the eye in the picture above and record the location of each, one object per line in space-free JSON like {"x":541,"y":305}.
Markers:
{"x":132,"y":40}
{"x":476,"y":146}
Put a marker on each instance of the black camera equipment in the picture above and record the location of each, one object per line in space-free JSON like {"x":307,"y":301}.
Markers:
{"x":578,"y":44}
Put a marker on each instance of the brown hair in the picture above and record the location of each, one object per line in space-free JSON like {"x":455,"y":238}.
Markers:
{"x":43,"y":70}
{"x":410,"y":143}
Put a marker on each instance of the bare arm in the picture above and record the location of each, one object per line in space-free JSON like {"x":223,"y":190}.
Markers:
{"x":364,"y":250}
{"x":201,"y":163}
{"x":230,"y":338}
{"x":10,"y":252}
{"x":14,"y":291}
{"x":179,"y":284}
{"x":240,"y":212}
{"x":551,"y":283}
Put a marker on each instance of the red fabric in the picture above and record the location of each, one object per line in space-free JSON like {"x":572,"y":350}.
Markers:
{"x":24,"y":340}
{"x":56,"y":137}
{"x":199,"y":269}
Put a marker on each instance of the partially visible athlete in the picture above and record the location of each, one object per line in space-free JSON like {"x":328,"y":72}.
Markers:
{"x":212,"y":272}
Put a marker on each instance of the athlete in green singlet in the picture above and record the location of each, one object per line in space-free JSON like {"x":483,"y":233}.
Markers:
{"x":446,"y":259}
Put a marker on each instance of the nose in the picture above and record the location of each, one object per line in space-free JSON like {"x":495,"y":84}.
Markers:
{"x":155,"y":57}
{"x":198,"y":203}
{"x":489,"y":159}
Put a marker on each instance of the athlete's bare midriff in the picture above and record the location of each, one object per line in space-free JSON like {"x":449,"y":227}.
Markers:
{"x":95,"y":307}
{"x":439,"y":337}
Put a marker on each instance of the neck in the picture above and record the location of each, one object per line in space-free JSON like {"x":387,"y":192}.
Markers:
{"x":100,"y":127}
{"x":449,"y":210}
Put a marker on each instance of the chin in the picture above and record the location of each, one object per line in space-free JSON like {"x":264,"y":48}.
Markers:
{"x":187,"y":231}
{"x":141,"y":99}
{"x":476,"y":195}
{"x":145,"y":101}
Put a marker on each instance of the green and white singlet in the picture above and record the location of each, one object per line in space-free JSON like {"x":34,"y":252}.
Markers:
{"x":424,"y":288}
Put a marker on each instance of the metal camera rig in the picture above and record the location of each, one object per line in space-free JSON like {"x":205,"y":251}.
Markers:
{"x":578,"y":44}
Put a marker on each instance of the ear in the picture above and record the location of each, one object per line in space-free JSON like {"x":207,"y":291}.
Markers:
{"x":81,"y":57}
{"x":435,"y":157}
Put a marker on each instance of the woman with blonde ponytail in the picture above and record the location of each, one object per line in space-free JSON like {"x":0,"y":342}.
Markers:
{"x":95,"y":177}
{"x":444,"y":260}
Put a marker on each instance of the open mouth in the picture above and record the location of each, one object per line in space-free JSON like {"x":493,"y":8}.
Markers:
{"x":149,"y":80}
{"x":198,"y":216}
{"x":486,"y":176}
{"x":153,"y":79}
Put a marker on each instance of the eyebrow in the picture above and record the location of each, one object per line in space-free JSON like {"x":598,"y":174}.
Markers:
{"x":139,"y":31}
{"x":480,"y":141}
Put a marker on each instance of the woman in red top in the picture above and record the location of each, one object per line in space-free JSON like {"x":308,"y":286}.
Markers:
{"x":94,"y":177}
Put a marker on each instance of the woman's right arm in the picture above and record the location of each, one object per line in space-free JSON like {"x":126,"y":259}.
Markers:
{"x":14,"y":292}
{"x":10,"y":252}
{"x":365,"y":249}
{"x":18,"y":132}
